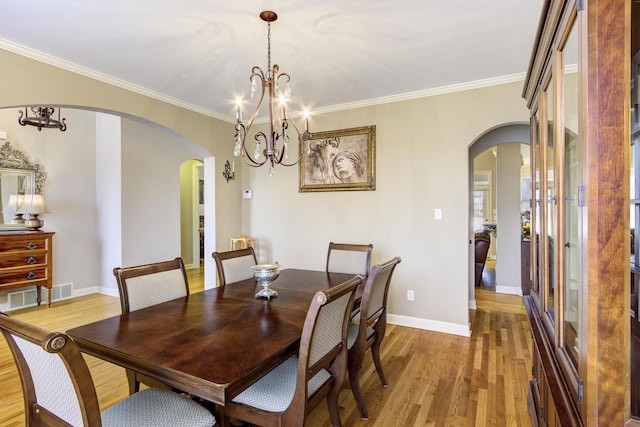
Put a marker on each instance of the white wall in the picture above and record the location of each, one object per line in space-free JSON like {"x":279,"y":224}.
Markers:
{"x":509,"y":231}
{"x":108,"y":197}
{"x":151,"y":162}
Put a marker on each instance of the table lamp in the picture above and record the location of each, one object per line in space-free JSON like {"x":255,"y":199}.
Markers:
{"x":33,"y":205}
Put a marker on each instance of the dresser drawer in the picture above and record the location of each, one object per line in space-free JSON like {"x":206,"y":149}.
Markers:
{"x":22,"y":258}
{"x":24,"y":275}
{"x":23,"y":242}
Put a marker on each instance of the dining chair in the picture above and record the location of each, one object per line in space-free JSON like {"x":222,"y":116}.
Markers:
{"x":58,"y":389}
{"x":285,"y":395}
{"x":146,"y":285}
{"x":234,"y":266}
{"x":349,"y":258}
{"x":367,"y":329}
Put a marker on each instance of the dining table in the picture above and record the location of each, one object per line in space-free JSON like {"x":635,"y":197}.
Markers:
{"x":211,"y":344}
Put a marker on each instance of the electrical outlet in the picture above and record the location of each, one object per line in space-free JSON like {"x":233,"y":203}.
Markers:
{"x":410,"y":295}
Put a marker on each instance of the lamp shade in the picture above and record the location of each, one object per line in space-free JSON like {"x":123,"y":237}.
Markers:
{"x":33,"y":204}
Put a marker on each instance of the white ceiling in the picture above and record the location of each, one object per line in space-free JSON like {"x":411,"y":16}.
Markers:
{"x":339,"y":53}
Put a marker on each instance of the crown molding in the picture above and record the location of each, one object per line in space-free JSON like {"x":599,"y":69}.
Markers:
{"x":105,"y":78}
{"x":87,"y":72}
{"x":459,"y":87}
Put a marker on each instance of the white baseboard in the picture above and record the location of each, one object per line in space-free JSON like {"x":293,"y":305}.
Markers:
{"x":429,"y":325}
{"x":509,"y":290}
{"x":472,"y":304}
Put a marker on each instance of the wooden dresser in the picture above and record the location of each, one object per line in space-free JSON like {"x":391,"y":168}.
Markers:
{"x":26,"y":260}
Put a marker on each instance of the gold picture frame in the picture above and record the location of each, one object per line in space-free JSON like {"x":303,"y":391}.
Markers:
{"x":338,"y":160}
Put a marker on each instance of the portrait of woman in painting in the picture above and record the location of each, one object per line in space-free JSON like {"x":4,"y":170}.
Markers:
{"x":348,"y":166}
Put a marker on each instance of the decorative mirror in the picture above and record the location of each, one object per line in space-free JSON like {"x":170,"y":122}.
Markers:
{"x":18,"y":178}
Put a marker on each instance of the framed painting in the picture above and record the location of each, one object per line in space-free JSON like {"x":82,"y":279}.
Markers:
{"x":338,"y":160}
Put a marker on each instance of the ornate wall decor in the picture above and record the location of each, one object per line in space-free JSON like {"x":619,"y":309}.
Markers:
{"x":338,"y":160}
{"x":12,"y":158}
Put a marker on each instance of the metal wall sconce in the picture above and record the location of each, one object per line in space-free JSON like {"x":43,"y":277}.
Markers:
{"x":229,"y":171}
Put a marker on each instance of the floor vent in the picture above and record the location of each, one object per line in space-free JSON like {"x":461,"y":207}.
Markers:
{"x":61,"y":291}
{"x":22,"y":299}
{"x":28,"y":297}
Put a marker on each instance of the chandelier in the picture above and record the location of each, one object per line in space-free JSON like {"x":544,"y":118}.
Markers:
{"x":42,"y":118}
{"x":269,"y":147}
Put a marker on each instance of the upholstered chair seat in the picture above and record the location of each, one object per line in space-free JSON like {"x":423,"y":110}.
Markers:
{"x":274,"y":392}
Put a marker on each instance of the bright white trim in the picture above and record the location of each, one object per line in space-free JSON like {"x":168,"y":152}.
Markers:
{"x":105,"y":78}
{"x":512,"y":290}
{"x":472,"y":304}
{"x":459,"y":87}
{"x":105,"y":291}
{"x":429,"y":325}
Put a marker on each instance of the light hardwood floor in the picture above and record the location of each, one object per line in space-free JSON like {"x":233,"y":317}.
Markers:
{"x":435,"y":379}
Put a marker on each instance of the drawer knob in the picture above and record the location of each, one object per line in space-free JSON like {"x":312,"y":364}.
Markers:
{"x":31,"y":245}
{"x":31,"y":260}
{"x":31,"y":275}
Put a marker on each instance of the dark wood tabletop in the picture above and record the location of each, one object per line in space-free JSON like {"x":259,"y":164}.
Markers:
{"x":214,"y":343}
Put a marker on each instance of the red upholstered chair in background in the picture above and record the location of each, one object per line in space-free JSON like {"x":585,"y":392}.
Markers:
{"x":482,"y":243}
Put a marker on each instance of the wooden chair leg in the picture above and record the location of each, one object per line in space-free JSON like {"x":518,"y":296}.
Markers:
{"x":334,"y":409}
{"x":134,"y":385}
{"x":354,"y":381}
{"x":375,"y":353}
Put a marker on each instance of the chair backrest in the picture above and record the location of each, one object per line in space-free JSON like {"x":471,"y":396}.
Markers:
{"x":373,"y":304}
{"x":323,"y":344}
{"x":56,"y":383}
{"x":349,"y":258}
{"x":150,"y":284}
{"x":234,"y":266}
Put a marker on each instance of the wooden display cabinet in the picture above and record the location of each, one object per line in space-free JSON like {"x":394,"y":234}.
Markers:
{"x":577,"y":89}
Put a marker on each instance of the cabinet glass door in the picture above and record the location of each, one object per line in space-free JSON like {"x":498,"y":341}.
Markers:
{"x":536,"y":162}
{"x":551,"y":202}
{"x":572,"y":181}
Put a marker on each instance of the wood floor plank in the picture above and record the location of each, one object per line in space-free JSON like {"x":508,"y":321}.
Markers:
{"x":435,"y":379}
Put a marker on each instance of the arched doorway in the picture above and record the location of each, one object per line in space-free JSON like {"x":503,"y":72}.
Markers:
{"x":501,"y":135}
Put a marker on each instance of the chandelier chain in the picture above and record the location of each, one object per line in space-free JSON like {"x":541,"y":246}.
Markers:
{"x":268,"y":47}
